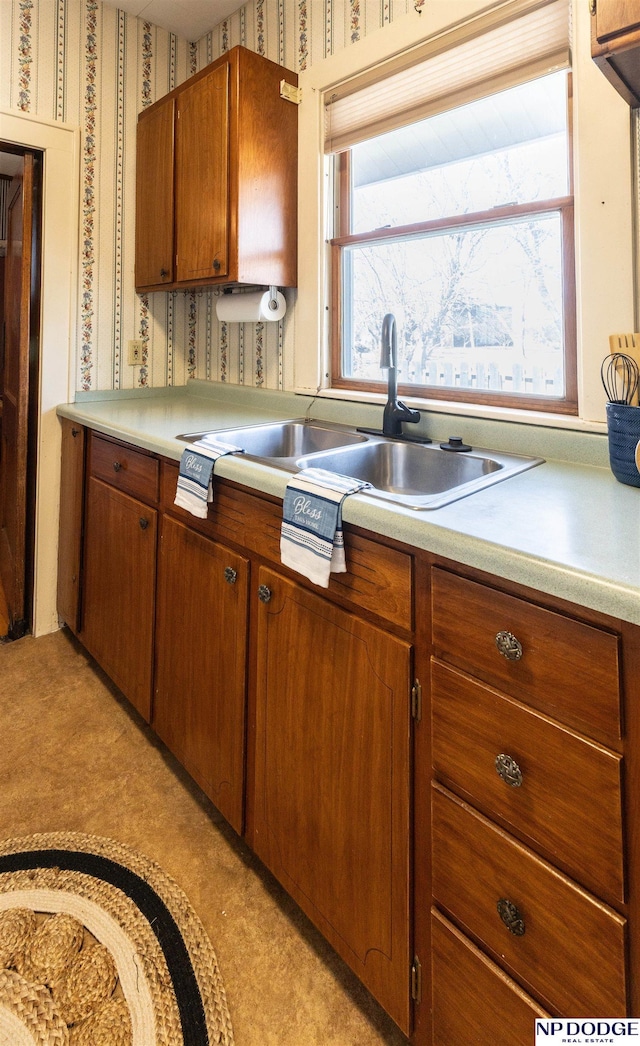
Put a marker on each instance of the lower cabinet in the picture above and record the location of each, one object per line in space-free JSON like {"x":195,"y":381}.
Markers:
{"x":119,"y":588}
{"x":332,"y":777}
{"x":474,"y":856}
{"x":201,"y":657}
{"x":532,"y":901}
{"x":520,"y":907}
{"x":473,"y":1001}
{"x":71,"y":519}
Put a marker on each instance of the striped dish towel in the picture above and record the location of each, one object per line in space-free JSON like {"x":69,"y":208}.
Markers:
{"x":311,"y":538}
{"x":195,"y":478}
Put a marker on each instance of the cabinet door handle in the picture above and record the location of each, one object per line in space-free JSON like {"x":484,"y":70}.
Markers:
{"x":163,"y":273}
{"x":264,"y":593}
{"x":144,"y":523}
{"x":511,"y":917}
{"x":230,"y":575}
{"x":75,"y":432}
{"x":508,"y":770}
{"x":216,"y":264}
{"x":117,"y":466}
{"x":509,"y":646}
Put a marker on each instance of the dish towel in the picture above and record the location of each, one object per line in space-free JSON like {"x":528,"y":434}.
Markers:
{"x":195,"y":478}
{"x":311,"y":538}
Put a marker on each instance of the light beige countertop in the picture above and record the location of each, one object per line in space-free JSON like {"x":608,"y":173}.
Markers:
{"x":566,"y":527}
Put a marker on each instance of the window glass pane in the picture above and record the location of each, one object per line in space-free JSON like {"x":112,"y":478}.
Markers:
{"x":477,"y":308}
{"x":508,"y":148}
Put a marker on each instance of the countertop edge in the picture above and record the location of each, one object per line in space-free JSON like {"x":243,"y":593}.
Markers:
{"x":611,"y":586}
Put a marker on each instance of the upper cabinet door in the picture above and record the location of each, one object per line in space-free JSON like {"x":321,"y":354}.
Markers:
{"x":154,"y":195}
{"x":202,"y":177}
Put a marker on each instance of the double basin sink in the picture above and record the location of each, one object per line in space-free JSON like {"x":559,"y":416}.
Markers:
{"x":418,"y":475}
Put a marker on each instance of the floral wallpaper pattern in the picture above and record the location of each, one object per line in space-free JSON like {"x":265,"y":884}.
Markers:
{"x":89,"y":64}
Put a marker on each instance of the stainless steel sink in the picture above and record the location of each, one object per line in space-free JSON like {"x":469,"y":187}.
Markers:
{"x":417,"y":475}
{"x":288,"y":439}
{"x":403,"y":468}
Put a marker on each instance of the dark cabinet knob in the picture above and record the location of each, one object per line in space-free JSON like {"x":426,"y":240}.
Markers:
{"x":116,"y":466}
{"x":511,"y":917}
{"x":216,"y":264}
{"x":163,"y":273}
{"x":75,"y":432}
{"x":508,"y":770}
{"x":144,"y":523}
{"x":230,"y":575}
{"x":264,"y":593}
{"x":509,"y":646}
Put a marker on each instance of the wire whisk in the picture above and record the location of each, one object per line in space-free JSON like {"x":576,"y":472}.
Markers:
{"x":620,"y":377}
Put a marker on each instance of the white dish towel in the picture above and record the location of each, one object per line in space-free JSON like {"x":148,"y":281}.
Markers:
{"x":195,"y":478}
{"x":311,"y":538}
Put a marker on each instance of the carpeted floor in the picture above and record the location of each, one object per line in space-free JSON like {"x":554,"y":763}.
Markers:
{"x":74,"y":757}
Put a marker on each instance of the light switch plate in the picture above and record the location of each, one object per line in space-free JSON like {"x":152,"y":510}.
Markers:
{"x":136,"y":346}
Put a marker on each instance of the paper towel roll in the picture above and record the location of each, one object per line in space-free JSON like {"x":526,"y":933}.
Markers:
{"x":250,"y":307}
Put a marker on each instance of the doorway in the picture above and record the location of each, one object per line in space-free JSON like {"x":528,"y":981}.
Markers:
{"x":20,"y":222}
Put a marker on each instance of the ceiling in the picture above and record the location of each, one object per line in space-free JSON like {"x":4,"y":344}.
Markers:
{"x":190,"y":19}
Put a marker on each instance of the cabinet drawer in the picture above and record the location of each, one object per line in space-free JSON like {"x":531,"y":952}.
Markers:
{"x":125,"y":467}
{"x":571,"y":954}
{"x":567,"y":669}
{"x":561,"y":773}
{"x":378,"y":578}
{"x":473,"y":1000}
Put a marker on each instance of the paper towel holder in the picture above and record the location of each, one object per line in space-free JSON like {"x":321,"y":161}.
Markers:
{"x":273,"y":296}
{"x":251,"y":306}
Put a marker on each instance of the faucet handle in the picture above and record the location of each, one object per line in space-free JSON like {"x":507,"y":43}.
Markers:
{"x":406,"y":413}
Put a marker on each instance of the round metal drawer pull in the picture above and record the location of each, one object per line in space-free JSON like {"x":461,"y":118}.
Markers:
{"x":511,"y":917}
{"x":264,"y":593}
{"x":509,"y":646}
{"x":508,"y":770}
{"x":230,"y":575}
{"x":144,"y":523}
{"x":116,"y":466}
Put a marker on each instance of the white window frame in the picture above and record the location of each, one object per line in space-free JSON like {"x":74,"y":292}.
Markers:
{"x":603,"y":191}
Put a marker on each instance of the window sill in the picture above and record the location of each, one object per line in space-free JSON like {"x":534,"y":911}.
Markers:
{"x":467,"y":410}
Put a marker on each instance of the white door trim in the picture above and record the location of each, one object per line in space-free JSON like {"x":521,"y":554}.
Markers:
{"x":60,"y":216}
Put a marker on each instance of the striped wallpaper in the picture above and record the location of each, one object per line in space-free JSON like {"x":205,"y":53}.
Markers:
{"x":88,"y":64}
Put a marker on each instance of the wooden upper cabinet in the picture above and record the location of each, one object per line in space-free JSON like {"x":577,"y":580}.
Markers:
{"x":615,"y":44}
{"x":225,"y":144}
{"x":154,"y":195}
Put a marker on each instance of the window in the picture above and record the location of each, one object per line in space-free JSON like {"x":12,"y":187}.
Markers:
{"x":461,"y":224}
